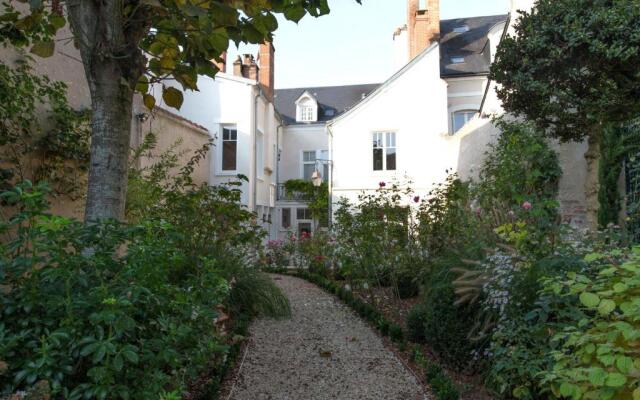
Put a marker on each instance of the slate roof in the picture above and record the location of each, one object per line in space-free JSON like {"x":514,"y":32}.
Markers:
{"x":332,"y":100}
{"x":471,"y":45}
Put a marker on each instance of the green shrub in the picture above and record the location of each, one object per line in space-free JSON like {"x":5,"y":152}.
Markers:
{"x":446,"y":326}
{"x":407,"y":285}
{"x":383,"y":326}
{"x":415,"y":322}
{"x":395,"y":333}
{"x":599,"y":353}
{"x":256,"y":293}
{"x":111,"y":310}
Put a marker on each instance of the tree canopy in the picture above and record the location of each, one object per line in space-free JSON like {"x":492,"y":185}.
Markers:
{"x":572,"y":65}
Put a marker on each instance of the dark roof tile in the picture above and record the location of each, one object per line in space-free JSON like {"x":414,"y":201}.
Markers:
{"x":331,"y":100}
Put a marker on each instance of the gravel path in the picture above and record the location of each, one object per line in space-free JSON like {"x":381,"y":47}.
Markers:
{"x":324,"y":352}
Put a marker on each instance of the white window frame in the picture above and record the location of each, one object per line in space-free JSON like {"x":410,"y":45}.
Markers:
{"x":306,"y":113}
{"x":220,"y":151}
{"x":384,"y":137}
{"x":303,"y":162}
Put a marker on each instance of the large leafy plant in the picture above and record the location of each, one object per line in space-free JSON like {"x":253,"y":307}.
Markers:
{"x":599,"y":354}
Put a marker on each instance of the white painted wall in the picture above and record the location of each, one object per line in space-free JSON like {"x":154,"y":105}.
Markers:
{"x":414,"y":105}
{"x":231,"y":101}
{"x":295,"y":140}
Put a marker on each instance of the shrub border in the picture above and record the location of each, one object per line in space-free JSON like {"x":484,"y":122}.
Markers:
{"x":442,"y":386}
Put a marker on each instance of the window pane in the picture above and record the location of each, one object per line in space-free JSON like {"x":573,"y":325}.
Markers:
{"x":377,"y":159}
{"x":391,"y":159}
{"x":229,"y":155}
{"x":391,"y":139}
{"x":325,"y":173}
{"x":377,"y":140}
{"x":286,"y":218}
{"x":460,"y":118}
{"x":225,"y":134}
{"x":303,"y":214}
{"x":308,"y":156}
{"x":308,"y":171}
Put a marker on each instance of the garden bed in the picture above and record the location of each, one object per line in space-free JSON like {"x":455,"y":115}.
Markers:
{"x":396,"y":310}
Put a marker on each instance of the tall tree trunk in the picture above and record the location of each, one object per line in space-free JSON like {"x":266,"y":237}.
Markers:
{"x":592,"y":183}
{"x":113,"y":64}
{"x":110,"y":140}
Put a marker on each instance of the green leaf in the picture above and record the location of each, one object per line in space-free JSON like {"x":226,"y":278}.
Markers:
{"x":615,"y":379}
{"x":172,"y":97}
{"x":295,"y":13}
{"x":118,"y":362}
{"x":636,"y":394}
{"x":624,"y":364}
{"x":606,"y":307}
{"x":149,"y":101}
{"x":589,"y":300}
{"x":131,"y":356}
{"x":43,"y":49}
{"x":597,"y":376}
{"x":620,"y":287}
{"x":567,"y":389}
{"x":58,"y":21}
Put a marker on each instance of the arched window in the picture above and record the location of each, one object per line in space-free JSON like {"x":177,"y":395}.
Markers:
{"x":460,"y":118}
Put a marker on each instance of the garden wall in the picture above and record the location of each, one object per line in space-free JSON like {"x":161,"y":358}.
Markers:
{"x":475,"y":138}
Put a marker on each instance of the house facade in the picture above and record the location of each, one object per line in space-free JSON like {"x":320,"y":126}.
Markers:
{"x":238,"y":111}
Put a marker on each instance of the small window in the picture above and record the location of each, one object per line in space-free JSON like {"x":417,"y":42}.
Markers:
{"x":329,"y":113}
{"x":308,"y":164}
{"x":384,"y":151}
{"x":306,"y":113}
{"x":260,"y":154}
{"x":461,"y":29}
{"x":457,"y":59}
{"x":286,"y":218}
{"x":303,"y":214}
{"x":229,"y":149}
{"x":460,"y":118}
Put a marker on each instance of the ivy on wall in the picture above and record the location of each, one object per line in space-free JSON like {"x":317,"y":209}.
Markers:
{"x":42,"y":138}
{"x":318,"y":197}
{"x":620,"y":146}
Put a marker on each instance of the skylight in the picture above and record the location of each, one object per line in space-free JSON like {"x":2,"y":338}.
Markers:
{"x":457,"y":59}
{"x":461,"y":29}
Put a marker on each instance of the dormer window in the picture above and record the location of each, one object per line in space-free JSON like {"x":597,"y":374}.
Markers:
{"x":306,"y":108}
{"x":306,"y":113}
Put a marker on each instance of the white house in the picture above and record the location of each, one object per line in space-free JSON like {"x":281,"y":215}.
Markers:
{"x":304,"y":145}
{"x":238,"y":111}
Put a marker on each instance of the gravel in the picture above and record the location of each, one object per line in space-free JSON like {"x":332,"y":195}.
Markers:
{"x":324,"y":351}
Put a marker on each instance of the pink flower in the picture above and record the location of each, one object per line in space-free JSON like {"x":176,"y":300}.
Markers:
{"x":382,"y":184}
{"x":478,"y":211}
{"x":416,"y":199}
{"x":526,"y":205}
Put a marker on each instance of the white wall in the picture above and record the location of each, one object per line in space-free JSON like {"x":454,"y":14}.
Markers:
{"x":295,"y":140}
{"x":414,"y":105}
{"x":231,"y":100}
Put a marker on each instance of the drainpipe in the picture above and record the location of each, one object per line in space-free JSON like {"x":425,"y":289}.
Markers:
{"x":330,"y":180}
{"x":254,"y":180}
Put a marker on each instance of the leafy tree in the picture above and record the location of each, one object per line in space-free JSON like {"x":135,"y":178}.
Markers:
{"x":572,"y":68}
{"x":127,"y":45}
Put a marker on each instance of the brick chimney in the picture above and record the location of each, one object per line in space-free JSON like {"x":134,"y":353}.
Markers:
{"x":237,"y":67}
{"x":266,"y":58}
{"x":222,"y":63}
{"x":423,"y":24}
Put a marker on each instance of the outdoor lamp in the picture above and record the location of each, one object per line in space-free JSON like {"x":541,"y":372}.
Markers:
{"x":316,"y":178}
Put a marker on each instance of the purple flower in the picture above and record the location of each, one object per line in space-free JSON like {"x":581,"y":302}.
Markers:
{"x":382,"y":184}
{"x":526,"y":205}
{"x":416,"y":199}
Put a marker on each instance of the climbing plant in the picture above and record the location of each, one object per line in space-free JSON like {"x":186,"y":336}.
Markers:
{"x":50,"y":146}
{"x":317,"y":197}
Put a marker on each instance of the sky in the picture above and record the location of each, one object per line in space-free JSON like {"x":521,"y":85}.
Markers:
{"x":351,"y":45}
